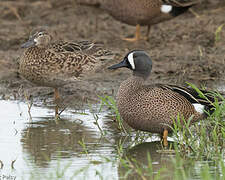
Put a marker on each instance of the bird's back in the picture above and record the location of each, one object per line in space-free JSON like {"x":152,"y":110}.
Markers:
{"x":62,"y":62}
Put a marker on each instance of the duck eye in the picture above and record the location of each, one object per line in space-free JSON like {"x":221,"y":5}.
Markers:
{"x":40,"y":33}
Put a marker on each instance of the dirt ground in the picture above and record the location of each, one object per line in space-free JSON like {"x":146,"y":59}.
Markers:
{"x":183,"y":49}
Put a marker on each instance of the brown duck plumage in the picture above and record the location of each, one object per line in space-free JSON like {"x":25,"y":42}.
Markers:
{"x":143,"y":12}
{"x":53,"y":64}
{"x":46,"y":62}
{"x":154,"y":107}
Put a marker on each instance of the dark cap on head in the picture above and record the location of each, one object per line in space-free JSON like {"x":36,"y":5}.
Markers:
{"x":138,"y":61}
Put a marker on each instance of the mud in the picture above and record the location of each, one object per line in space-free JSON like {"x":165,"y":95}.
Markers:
{"x":183,"y":49}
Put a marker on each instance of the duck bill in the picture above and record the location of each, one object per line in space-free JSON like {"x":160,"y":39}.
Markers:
{"x":119,"y":65}
{"x":29,"y":43}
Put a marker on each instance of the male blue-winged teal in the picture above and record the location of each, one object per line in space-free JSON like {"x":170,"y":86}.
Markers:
{"x":51,"y":63}
{"x":142,"y":12}
{"x":153,"y":107}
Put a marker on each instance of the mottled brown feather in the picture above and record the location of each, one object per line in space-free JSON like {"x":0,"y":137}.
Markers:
{"x":57,"y":63}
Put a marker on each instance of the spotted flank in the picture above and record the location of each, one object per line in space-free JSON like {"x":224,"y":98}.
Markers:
{"x":154,"y":107}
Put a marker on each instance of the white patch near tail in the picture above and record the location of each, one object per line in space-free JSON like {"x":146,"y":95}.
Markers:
{"x":199,"y":107}
{"x":166,"y":8}
{"x":131,"y":60}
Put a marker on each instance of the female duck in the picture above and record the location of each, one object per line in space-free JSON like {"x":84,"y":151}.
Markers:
{"x":51,"y":63}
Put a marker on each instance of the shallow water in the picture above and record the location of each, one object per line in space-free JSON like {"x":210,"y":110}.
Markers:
{"x":38,"y":147}
{"x":72,"y":147}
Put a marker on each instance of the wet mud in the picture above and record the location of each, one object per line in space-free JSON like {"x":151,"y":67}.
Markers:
{"x":188,"y":48}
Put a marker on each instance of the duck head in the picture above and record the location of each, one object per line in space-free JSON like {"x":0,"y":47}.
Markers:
{"x":138,"y":61}
{"x":39,"y":37}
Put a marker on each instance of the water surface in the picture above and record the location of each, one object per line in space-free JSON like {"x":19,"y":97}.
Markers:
{"x":36,"y":146}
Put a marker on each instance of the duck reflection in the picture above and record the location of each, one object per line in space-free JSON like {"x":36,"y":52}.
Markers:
{"x":137,"y":159}
{"x":49,"y":139}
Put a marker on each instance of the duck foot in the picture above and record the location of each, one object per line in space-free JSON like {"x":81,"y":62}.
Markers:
{"x":165,"y":134}
{"x":136,"y":37}
{"x":56,"y":95}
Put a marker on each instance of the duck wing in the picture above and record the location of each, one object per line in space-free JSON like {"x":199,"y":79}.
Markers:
{"x":203,"y":97}
{"x":180,"y":3}
{"x":85,"y":47}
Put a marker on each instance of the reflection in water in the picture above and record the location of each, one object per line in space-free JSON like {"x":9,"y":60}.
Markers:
{"x":45,"y":139}
{"x":75,"y":141}
{"x":39,"y":147}
{"x":137,"y":160}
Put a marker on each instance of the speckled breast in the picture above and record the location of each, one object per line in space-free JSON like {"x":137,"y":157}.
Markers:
{"x":37,"y":69}
{"x":151,"y":108}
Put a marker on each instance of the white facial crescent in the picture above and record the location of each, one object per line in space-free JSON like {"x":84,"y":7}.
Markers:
{"x":131,"y":60}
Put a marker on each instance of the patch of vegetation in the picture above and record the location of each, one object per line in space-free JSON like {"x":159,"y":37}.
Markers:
{"x":218,"y":32}
{"x":205,"y":139}
{"x":111,"y":104}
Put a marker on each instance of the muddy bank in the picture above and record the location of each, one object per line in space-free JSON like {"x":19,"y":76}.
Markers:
{"x":182,"y":49}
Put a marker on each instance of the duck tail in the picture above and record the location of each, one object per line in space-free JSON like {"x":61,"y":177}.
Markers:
{"x":180,"y":6}
{"x":181,"y":3}
{"x":202,"y":100}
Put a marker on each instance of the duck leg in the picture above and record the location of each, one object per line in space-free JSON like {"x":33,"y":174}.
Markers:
{"x":137,"y":35}
{"x":56,"y":94}
{"x":147,"y":34}
{"x":165,"y":134}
